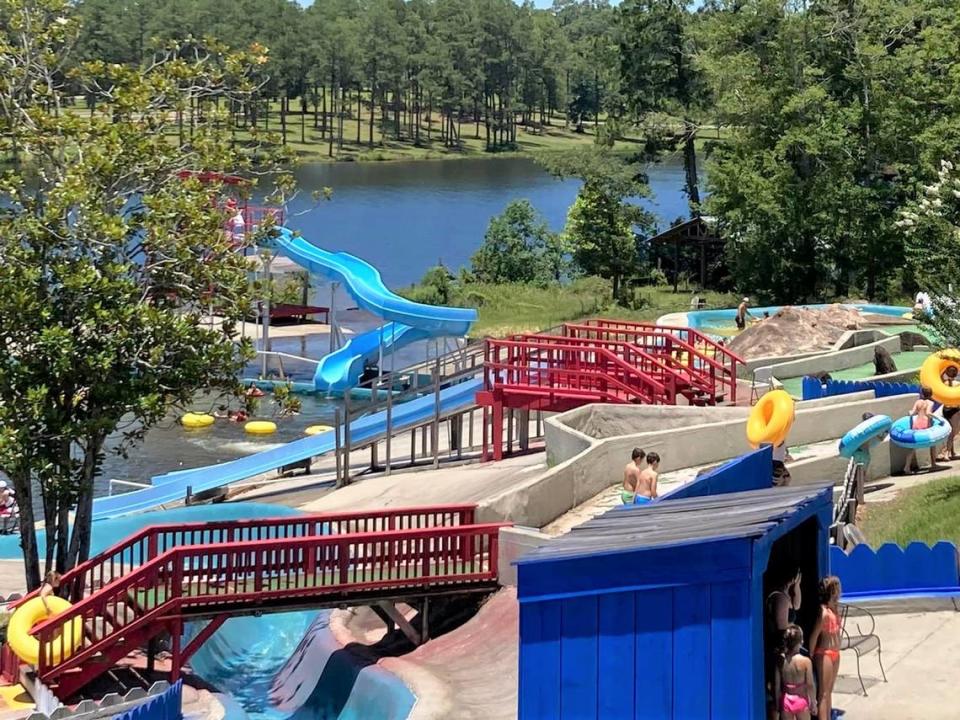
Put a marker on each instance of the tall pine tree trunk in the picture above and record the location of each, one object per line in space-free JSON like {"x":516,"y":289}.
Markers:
{"x":690,"y":170}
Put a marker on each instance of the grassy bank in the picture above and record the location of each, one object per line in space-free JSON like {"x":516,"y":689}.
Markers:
{"x":311,"y":144}
{"x":926,"y":513}
{"x":509,"y":309}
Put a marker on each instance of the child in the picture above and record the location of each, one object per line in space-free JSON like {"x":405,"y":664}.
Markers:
{"x":825,"y":642}
{"x":797,"y":697}
{"x":921,"y":418}
{"x":51,"y":584}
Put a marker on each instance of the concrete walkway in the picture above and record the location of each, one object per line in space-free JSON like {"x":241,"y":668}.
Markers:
{"x":922,"y":664}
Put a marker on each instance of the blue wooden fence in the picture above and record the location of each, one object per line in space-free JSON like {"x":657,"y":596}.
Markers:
{"x":813,"y":389}
{"x":165,"y":706}
{"x":753,"y":471}
{"x":891,"y":571}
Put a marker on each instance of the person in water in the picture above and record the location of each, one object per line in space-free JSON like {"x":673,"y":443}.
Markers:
{"x":51,"y":583}
{"x":631,"y":476}
{"x":647,"y":483}
{"x":825,"y":643}
{"x":797,"y":695}
{"x":921,"y":418}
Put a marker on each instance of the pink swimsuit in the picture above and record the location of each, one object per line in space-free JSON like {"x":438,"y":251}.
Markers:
{"x":793,"y":701}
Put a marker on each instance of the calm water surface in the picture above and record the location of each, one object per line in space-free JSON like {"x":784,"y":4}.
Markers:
{"x":404,"y":217}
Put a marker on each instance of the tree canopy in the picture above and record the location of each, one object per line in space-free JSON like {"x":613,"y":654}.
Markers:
{"x":114,"y":256}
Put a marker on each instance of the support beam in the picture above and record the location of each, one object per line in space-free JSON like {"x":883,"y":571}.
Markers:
{"x":204,"y":635}
{"x":405,"y":627}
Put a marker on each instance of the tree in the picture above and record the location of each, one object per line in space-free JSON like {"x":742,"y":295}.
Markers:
{"x":518,"y":247}
{"x":112,"y":258}
{"x":659,"y":75}
{"x":600,"y":235}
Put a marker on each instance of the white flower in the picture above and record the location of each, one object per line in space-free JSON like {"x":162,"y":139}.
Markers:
{"x":937,"y":203}
{"x":947,"y":164}
{"x":61,"y":21}
{"x":931,"y":189}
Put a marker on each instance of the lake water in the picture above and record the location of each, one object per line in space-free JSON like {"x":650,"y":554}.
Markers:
{"x":404,"y":217}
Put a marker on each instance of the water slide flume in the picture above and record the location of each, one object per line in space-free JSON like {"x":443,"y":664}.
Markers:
{"x":172,"y":487}
{"x":408,"y":321}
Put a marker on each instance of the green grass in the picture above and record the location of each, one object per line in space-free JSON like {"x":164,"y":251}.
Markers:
{"x":509,"y":309}
{"x":926,"y":513}
{"x":309,"y":144}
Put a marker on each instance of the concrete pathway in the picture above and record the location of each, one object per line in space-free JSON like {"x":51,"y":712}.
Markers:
{"x":922,"y":664}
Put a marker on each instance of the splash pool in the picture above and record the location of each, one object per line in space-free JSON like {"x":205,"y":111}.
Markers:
{"x":722,"y":322}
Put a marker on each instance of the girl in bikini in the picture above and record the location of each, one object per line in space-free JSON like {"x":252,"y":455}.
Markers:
{"x":797,"y":696}
{"x":920,"y":419}
{"x":825,"y":641}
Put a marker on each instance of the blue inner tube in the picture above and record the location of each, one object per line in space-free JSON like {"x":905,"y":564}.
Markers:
{"x":903,"y":434}
{"x":870,"y":429}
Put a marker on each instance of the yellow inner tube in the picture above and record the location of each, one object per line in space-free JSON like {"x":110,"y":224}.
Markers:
{"x":771,"y":419}
{"x":931,"y":375}
{"x":260,"y":427}
{"x":196,"y":420}
{"x":26,"y":646}
{"x":317,"y":429}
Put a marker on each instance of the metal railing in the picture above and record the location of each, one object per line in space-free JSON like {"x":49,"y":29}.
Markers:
{"x":218,"y":580}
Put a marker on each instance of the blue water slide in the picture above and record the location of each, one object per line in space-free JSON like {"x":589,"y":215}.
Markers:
{"x":341,"y":369}
{"x":172,"y":487}
{"x":365,"y":285}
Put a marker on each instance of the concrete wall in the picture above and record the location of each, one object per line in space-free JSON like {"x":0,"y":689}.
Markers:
{"x":574,"y":480}
{"x":836,"y":400}
{"x":832,"y":361}
{"x":850,"y":339}
{"x":514,"y":542}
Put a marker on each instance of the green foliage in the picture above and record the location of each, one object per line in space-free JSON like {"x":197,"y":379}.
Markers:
{"x":927,"y":513}
{"x":111,"y":261}
{"x":600,"y":235}
{"x":518,"y":247}
{"x":286,"y":401}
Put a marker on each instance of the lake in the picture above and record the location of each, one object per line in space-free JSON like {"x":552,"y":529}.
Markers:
{"x":404,"y":217}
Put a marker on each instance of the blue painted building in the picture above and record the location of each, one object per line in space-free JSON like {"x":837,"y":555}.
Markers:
{"x":657,"y":612}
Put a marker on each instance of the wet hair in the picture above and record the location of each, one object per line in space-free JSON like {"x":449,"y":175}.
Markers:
{"x":925,"y":392}
{"x":52,"y":578}
{"x":792,"y":638}
{"x":866,"y":416}
{"x":829,"y":587}
{"x":637,"y":454}
{"x":951,"y":370}
{"x":652,"y":458}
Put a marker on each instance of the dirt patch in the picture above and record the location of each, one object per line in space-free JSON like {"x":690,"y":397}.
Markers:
{"x":794,"y":330}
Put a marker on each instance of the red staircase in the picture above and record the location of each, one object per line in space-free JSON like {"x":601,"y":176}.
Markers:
{"x":602,"y":361}
{"x":154,"y":581}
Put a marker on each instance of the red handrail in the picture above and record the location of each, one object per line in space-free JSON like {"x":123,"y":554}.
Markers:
{"x":573,"y":364}
{"x":674,"y":335}
{"x":153,"y":540}
{"x":203,"y":578}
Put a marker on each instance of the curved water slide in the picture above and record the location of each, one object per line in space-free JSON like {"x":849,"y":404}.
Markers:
{"x":408,"y":321}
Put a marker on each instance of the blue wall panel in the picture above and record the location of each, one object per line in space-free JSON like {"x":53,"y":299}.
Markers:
{"x":730,"y":638}
{"x":691,"y":652}
{"x":654,"y":664}
{"x":578,"y":659}
{"x":540,"y":660}
{"x":753,"y":471}
{"x":617,"y":665}
{"x":813,"y":389}
{"x":892,"y":570}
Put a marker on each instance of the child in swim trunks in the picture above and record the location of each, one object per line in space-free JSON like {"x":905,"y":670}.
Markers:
{"x":825,"y":642}
{"x":797,"y":696}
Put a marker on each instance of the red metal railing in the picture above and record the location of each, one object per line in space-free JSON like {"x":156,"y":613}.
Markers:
{"x":701,"y":356}
{"x":211,"y":580}
{"x":152,"y":541}
{"x":549,"y":366}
